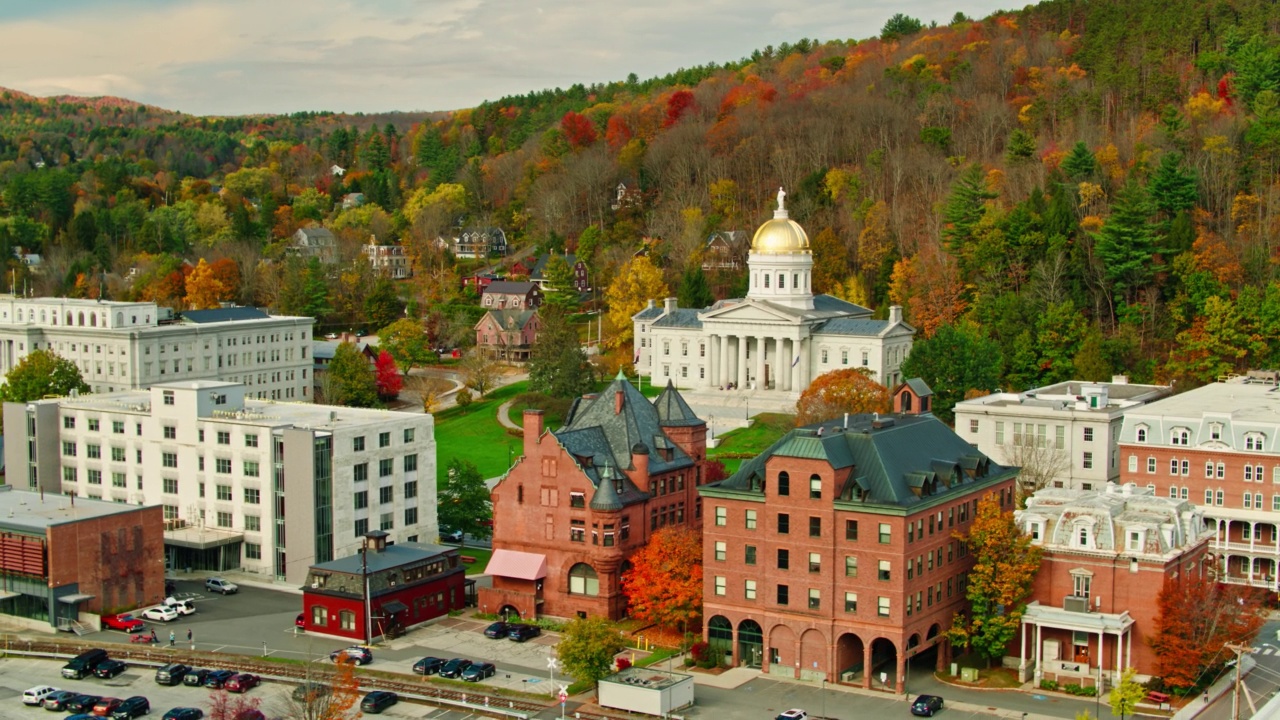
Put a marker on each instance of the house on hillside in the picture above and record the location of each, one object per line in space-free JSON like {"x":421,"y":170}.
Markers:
{"x":314,"y":242}
{"x":725,"y":250}
{"x":581,"y":279}
{"x":479,"y":243}
{"x":509,"y":334}
{"x":503,"y":294}
{"x":387,"y":260}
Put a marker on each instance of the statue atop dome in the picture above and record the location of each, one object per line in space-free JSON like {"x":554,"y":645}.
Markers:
{"x":782,"y":204}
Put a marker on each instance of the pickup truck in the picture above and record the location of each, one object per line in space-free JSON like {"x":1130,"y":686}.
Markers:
{"x":125,"y":622}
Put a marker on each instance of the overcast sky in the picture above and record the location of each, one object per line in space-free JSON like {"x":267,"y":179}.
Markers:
{"x":229,"y":57}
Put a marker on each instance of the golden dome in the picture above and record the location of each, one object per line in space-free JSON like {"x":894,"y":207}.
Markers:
{"x":781,"y":235}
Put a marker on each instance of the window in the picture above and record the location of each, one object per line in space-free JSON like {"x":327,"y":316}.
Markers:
{"x":362,"y":500}
{"x":1088,"y":434}
{"x":583,"y":580}
{"x":1180,"y":436}
{"x":750,"y":520}
{"x":577,"y":531}
{"x":1208,"y":497}
{"x":1253,"y":441}
{"x":252,"y":496}
{"x":251,"y":441}
{"x":168,"y":394}
{"x":784,"y":595}
{"x":1208,"y":469}
{"x":851,"y":530}
{"x":93,"y":452}
{"x":1087,"y":461}
{"x":411,"y":516}
{"x":1222,"y":470}
{"x":720,"y":585}
{"x":815,"y":598}
{"x":250,"y":468}
{"x":408,"y":435}
{"x":118,"y":480}
{"x":170,"y":460}
{"x":749,"y":590}
{"x":411,"y":490}
{"x":223,"y":492}
{"x":411,"y":463}
{"x":361,"y":472}
{"x":750,"y":555}
{"x":68,"y":448}
{"x":815,"y":527}
{"x":722,"y":516}
{"x":1081,"y":584}
{"x":851,"y":602}
{"x":170,"y":486}
{"x":885,"y":534}
{"x":1133,"y":463}
{"x":784,"y":559}
{"x":850,"y":566}
{"x":999,"y":432}
{"x":252,"y":551}
{"x":386,"y":521}
{"x":1140,"y":435}
{"x":884,"y":570}
{"x":170,"y":432}
{"x":844,"y":357}
{"x":357,"y":444}
{"x":224,"y":519}
{"x":386,"y":466}
{"x":1151,"y":465}
{"x":973,"y":426}
{"x":224,"y":437}
{"x":722,"y":550}
{"x":1186,"y":467}
{"x":348,"y":620}
{"x":223,"y":466}
{"x":815,"y":487}
{"x":815,"y":562}
{"x":882,"y":606}
{"x":252,"y":523}
{"x":117,"y":427}
{"x":95,"y":477}
{"x":1219,"y":498}
{"x":577,"y":499}
{"x":69,"y":423}
{"x":784,"y":484}
{"x":784,"y":523}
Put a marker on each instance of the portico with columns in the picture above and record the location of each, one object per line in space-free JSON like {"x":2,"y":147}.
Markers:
{"x":776,"y":340}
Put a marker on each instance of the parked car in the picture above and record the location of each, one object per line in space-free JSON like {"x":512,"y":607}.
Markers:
{"x":217,"y":678}
{"x":194,"y":677}
{"x":107,"y":706}
{"x":124,"y":622}
{"x":162,"y":613}
{"x":454,"y":668}
{"x":182,"y":607}
{"x":497,"y":630}
{"x":184,"y":714}
{"x":792,"y":714}
{"x":476,"y":672}
{"x":109,"y":668}
{"x":428,"y":665}
{"x":82,"y":716}
{"x":926,"y":705}
{"x":453,"y":536}
{"x":133,"y":707}
{"x":377,"y":701}
{"x":37,"y":694}
{"x":300,"y":621}
{"x":83,"y":664}
{"x":82,"y":703}
{"x":359,"y":655}
{"x":218,"y":585}
{"x":520,"y":633}
{"x":57,"y":699}
{"x":171,"y":674}
{"x":310,"y":690}
{"x":242,"y":682}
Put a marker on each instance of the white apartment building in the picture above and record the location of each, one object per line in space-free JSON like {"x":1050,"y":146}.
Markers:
{"x":131,"y":345}
{"x":1068,"y":431}
{"x":267,"y":487}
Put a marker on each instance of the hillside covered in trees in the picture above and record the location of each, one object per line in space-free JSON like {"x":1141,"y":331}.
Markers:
{"x":1067,"y":191}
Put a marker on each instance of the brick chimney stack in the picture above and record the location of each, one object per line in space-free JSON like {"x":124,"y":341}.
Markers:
{"x":532,"y":429}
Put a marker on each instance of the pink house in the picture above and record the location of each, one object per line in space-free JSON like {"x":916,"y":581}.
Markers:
{"x":510,"y":334}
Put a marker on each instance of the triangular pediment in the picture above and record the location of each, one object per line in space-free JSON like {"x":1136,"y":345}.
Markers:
{"x":751,"y":311}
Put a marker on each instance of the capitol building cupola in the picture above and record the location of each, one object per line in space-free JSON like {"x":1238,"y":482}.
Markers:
{"x":780,"y":262}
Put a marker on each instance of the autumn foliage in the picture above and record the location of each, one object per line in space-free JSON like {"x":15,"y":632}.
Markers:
{"x":831,"y":395}
{"x":388,"y":376}
{"x":578,"y":130}
{"x":1198,"y":616}
{"x":664,"y":585}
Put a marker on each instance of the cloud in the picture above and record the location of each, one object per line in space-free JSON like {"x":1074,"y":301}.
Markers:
{"x":245,"y":56}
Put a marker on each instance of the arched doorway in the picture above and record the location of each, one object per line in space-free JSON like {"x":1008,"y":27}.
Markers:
{"x":720,"y":637}
{"x":884,"y":664}
{"x":509,"y":612}
{"x":813,"y":655}
{"x":850,"y":656}
{"x":750,"y":644}
{"x":783,"y":655}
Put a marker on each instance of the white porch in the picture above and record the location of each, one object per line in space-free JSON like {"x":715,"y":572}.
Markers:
{"x":1080,"y":649}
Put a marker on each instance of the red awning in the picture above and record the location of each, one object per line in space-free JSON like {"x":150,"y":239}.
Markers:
{"x":518,"y":565}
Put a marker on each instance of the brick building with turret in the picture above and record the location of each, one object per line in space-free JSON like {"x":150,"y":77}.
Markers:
{"x":582,"y":499}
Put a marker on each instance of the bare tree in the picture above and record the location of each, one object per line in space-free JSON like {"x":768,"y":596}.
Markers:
{"x":428,"y":389}
{"x":324,"y":695}
{"x":1041,"y":464}
{"x":480,"y":370}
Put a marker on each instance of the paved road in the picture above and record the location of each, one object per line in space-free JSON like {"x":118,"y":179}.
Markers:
{"x":1260,"y":685}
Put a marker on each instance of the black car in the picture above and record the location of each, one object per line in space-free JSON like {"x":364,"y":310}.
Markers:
{"x":184,"y":714}
{"x":109,"y":669}
{"x":926,"y":705}
{"x":476,"y":672}
{"x":520,"y":633}
{"x":454,"y":668}
{"x":377,"y":701}
{"x":217,"y":678}
{"x":428,"y":665}
{"x":133,"y":707}
{"x":57,"y":700}
{"x":171,"y":674}
{"x":81,"y":703}
{"x":497,"y":630}
{"x":195,"y":677}
{"x":310,"y":690}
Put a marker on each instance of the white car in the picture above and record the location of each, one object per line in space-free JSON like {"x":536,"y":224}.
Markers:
{"x":792,"y":714}
{"x":182,"y":607}
{"x":163,"y":613}
{"x":37,"y":694}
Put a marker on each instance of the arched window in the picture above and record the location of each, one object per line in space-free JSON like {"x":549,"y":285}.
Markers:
{"x":42,"y":317}
{"x":784,"y":483}
{"x":583,"y":580}
{"x":119,"y":319}
{"x":1180,"y":436}
{"x":1254,"y":441}
{"x":68,"y":317}
{"x":1141,"y":434}
{"x":80,"y":320}
{"x":93,"y":320}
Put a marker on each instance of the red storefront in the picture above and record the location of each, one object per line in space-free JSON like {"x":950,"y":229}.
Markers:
{"x":407,"y":585}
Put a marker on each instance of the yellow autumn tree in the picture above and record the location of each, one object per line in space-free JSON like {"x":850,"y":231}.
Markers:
{"x":204,"y":289}
{"x":637,"y":283}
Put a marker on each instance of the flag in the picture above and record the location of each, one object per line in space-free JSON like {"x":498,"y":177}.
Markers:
{"x":793,"y":362}
{"x":637,"y":358}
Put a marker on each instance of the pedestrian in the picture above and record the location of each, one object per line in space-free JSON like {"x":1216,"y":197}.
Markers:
{"x":188,"y":634}
{"x":154,"y":640}
{"x":172,"y":637}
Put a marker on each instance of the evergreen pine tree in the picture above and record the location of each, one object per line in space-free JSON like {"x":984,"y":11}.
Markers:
{"x":1021,"y":147}
{"x":964,"y":209}
{"x":558,"y":367}
{"x":1127,"y":241}
{"x":1173,"y":189}
{"x":694,"y":290}
{"x":1080,"y":163}
{"x":351,"y":379}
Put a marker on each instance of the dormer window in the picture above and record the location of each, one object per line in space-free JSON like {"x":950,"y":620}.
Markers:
{"x":1180,"y":436}
{"x":1141,"y":434}
{"x":1035,"y":529}
{"x":1215,"y":431}
{"x":1135,"y":541}
{"x":1254,"y":441}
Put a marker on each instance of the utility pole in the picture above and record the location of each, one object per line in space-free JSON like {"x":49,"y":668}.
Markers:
{"x":1239,"y":650}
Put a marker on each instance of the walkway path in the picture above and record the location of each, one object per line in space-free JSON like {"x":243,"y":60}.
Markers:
{"x":504,"y":415}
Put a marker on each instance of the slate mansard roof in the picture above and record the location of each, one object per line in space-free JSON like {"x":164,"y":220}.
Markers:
{"x":896,"y":460}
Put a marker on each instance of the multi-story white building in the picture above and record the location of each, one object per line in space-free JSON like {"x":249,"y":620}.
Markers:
{"x":267,"y":487}
{"x":1064,"y":435}
{"x":131,"y":345}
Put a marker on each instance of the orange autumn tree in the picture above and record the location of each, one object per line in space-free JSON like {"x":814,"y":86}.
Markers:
{"x":852,"y":390}
{"x":1197,"y":618}
{"x":204,"y":289}
{"x":664,"y":584}
{"x":1004,"y":567}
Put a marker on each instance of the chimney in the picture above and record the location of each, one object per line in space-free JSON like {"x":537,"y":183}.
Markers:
{"x":651,"y":304}
{"x":532,"y":429}
{"x":617,"y":403}
{"x":640,"y":463}
{"x":376,"y":539}
{"x":669,"y":305}
{"x":895,"y":314}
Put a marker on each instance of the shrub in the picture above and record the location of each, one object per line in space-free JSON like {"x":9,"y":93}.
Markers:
{"x":701,"y":651}
{"x":623,"y":664}
{"x":1048,"y":684}
{"x":464,"y":398}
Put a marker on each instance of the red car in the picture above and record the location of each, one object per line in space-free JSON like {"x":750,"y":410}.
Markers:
{"x":242,"y":682}
{"x":125,"y":622}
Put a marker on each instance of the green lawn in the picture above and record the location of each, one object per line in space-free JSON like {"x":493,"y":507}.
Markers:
{"x":474,"y":434}
{"x":481,"y":555}
{"x":748,"y":442}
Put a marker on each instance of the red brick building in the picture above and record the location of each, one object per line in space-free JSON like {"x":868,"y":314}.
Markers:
{"x":582,"y":499}
{"x":1107,"y":556}
{"x":1217,"y":446}
{"x":61,"y":556}
{"x":832,"y":555}
{"x":408,"y":585}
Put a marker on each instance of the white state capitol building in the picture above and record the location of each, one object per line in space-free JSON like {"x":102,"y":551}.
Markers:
{"x":776,"y":340}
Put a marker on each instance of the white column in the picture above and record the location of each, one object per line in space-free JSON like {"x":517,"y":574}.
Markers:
{"x":742,"y":361}
{"x":1119,"y":657}
{"x":713,"y":361}
{"x":797,"y":350}
{"x":761,"y":343}
{"x":786,"y":355}
{"x":1128,"y":645}
{"x":724,"y":360}
{"x":1099,"y":657}
{"x":1253,"y":534}
{"x":1039,"y":644}
{"x":1022,"y":654}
